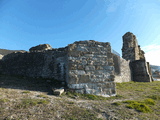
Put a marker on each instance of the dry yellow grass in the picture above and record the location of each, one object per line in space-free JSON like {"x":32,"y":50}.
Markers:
{"x":31,"y":99}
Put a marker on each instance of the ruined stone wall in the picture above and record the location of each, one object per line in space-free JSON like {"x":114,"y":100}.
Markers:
{"x":46,"y":64}
{"x":141,"y":71}
{"x":91,"y":70}
{"x":131,"y":50}
{"x":123,"y":72}
{"x":59,"y":64}
{"x":117,"y":64}
{"x":86,"y":66}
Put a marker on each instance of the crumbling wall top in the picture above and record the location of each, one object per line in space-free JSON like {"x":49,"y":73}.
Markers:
{"x":40,"y":48}
{"x":129,"y":36}
{"x":92,"y":42}
{"x":131,"y":50}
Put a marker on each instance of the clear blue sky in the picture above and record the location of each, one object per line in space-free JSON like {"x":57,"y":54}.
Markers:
{"x":27,"y":23}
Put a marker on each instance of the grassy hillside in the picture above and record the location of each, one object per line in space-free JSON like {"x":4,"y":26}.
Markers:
{"x":32,"y":99}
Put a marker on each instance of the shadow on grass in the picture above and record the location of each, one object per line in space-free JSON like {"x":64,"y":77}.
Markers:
{"x":31,"y":84}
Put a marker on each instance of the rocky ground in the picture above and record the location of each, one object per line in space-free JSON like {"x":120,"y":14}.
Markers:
{"x":32,"y":99}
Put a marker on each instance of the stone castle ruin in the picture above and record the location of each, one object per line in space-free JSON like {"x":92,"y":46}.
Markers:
{"x":140,"y":69}
{"x":88,"y":67}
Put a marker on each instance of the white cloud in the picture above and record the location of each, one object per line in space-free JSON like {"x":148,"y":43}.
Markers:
{"x":112,"y":5}
{"x":152,"y":54}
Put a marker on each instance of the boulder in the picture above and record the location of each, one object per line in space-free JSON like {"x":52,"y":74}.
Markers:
{"x":58,"y":91}
{"x":1,"y":56}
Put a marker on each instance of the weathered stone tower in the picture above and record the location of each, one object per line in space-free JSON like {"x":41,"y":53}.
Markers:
{"x":131,"y":50}
{"x":140,"y":69}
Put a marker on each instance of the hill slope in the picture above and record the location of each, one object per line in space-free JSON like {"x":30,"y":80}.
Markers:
{"x":26,"y":98}
{"x":155,"y":71}
{"x":5,"y":51}
{"x":155,"y":67}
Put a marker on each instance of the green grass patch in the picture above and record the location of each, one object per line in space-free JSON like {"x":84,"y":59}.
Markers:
{"x":141,"y":106}
{"x":3,"y":100}
{"x":136,"y":86}
{"x":116,"y":103}
{"x":42,"y":96}
{"x":154,"y":97}
{"x":93,"y":97}
{"x":26,"y":92}
{"x":77,"y":113}
{"x":75,"y":95}
{"x":70,"y":102}
{"x":139,"y":90}
{"x":149,"y":101}
{"x":31,"y":102}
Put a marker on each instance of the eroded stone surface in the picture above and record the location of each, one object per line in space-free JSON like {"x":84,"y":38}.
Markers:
{"x":89,"y":71}
{"x":47,"y":64}
{"x":122,"y":70}
{"x":141,"y":71}
{"x":40,"y":48}
{"x":131,"y":50}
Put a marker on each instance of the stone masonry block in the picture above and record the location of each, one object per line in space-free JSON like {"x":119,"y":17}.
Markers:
{"x":90,"y":62}
{"x":82,"y":48}
{"x":80,"y":67}
{"x":90,"y":68}
{"x":110,"y":63}
{"x":72,"y":66}
{"x":89,"y":55}
{"x":77,"y":72}
{"x":109,"y":55}
{"x":109,"y":68}
{"x":84,"y":62}
{"x":73,"y":79}
{"x":102,"y":56}
{"x":97,"y":67}
{"x":83,"y":79}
